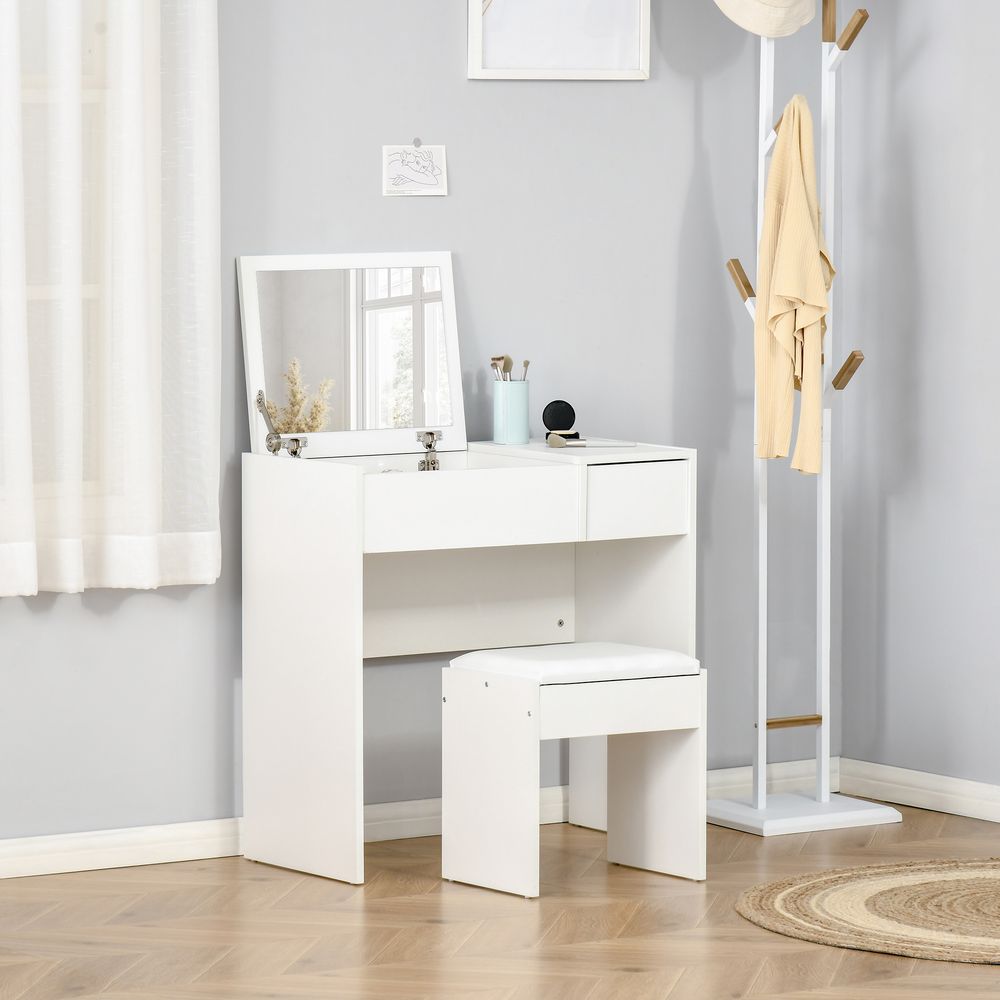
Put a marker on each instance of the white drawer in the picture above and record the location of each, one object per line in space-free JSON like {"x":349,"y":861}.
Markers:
{"x":638,"y":499}
{"x":645,"y":705}
{"x":470,"y":508}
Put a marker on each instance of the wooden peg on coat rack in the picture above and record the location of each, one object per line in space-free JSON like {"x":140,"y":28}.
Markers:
{"x":740,"y":279}
{"x":846,"y":38}
{"x":847,"y":370}
{"x":743,"y":286}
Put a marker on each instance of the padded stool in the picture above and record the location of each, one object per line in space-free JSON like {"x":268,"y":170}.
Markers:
{"x":499,"y":704}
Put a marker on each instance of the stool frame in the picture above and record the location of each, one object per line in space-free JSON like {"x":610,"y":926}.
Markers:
{"x":492,"y":725}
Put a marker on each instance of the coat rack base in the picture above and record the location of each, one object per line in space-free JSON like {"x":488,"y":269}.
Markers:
{"x":794,"y":813}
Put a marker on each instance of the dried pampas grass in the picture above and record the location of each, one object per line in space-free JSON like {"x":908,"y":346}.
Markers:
{"x":299,"y":416}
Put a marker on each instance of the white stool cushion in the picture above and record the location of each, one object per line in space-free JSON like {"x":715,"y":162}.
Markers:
{"x":576,"y":662}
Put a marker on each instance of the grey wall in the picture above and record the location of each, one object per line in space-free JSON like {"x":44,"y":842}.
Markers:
{"x":589,"y":223}
{"x":922,"y":594}
{"x":118,"y":708}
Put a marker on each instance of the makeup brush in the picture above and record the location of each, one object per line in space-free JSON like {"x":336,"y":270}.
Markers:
{"x":496,"y":363}
{"x":556,"y":440}
{"x":508,"y":366}
{"x":524,"y":372}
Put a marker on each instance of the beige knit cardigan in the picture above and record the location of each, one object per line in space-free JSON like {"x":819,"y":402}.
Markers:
{"x":794,"y":274}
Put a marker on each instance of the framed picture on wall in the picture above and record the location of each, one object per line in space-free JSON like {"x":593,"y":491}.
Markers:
{"x":558,"y":39}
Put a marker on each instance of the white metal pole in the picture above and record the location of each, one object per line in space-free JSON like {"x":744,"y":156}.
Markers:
{"x":824,"y":500}
{"x":823,"y":567}
{"x":765,"y":121}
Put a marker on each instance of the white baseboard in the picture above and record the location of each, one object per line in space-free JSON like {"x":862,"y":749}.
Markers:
{"x":141,"y":845}
{"x":784,"y":776}
{"x":422,"y":817}
{"x":975,"y":799}
{"x":217,"y":838}
{"x":151,"y":845}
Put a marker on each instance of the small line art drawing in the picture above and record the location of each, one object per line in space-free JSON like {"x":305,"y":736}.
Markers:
{"x":413,"y":170}
{"x":417,"y":167}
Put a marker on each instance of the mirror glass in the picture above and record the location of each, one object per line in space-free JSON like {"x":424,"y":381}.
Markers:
{"x":354,"y":349}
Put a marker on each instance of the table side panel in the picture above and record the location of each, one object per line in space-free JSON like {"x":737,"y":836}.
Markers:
{"x":302,"y":693}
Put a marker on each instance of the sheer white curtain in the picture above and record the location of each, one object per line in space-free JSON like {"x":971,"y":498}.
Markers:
{"x":109,"y":294}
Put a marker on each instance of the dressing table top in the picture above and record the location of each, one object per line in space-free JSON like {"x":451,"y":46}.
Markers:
{"x":480,"y":455}
{"x":592,"y":454}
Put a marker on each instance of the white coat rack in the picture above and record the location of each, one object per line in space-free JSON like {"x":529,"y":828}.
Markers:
{"x":767,"y":815}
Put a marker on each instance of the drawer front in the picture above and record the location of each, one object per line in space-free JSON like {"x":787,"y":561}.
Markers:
{"x":471,"y":508}
{"x":646,"y":705}
{"x":637,"y":500}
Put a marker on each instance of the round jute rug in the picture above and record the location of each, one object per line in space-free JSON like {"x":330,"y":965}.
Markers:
{"x":943,"y":910}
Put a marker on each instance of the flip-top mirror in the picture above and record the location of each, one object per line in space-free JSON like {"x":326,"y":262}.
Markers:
{"x":355,"y":352}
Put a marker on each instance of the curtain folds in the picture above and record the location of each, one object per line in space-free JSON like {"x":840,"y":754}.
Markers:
{"x":109,"y":294}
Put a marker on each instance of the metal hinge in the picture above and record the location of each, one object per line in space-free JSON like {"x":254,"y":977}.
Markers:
{"x":430,"y":462}
{"x":274,"y":442}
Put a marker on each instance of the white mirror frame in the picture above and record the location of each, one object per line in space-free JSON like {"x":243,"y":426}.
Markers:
{"x":330,"y":444}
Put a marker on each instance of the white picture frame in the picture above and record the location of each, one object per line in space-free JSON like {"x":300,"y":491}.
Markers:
{"x":554,"y":40}
{"x":347,"y":443}
{"x":412,"y":171}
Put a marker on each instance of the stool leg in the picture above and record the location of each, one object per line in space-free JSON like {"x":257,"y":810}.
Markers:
{"x":656,"y":800}
{"x":588,"y":782}
{"x":490,"y":778}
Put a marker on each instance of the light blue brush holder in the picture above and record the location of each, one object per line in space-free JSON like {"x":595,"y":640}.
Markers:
{"x":510,"y":412}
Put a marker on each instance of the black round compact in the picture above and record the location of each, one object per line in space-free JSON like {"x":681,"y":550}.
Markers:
{"x":559,"y":416}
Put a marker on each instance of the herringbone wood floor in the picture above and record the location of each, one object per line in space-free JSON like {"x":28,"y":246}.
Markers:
{"x":230,"y":928}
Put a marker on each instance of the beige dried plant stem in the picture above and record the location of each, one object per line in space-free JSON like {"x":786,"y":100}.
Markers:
{"x":299,"y":415}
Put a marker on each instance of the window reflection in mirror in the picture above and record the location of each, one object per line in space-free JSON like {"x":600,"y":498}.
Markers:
{"x":373,"y":339}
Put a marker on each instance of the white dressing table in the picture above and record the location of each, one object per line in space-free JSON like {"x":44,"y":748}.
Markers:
{"x":364,"y":556}
{"x":504,"y":546}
